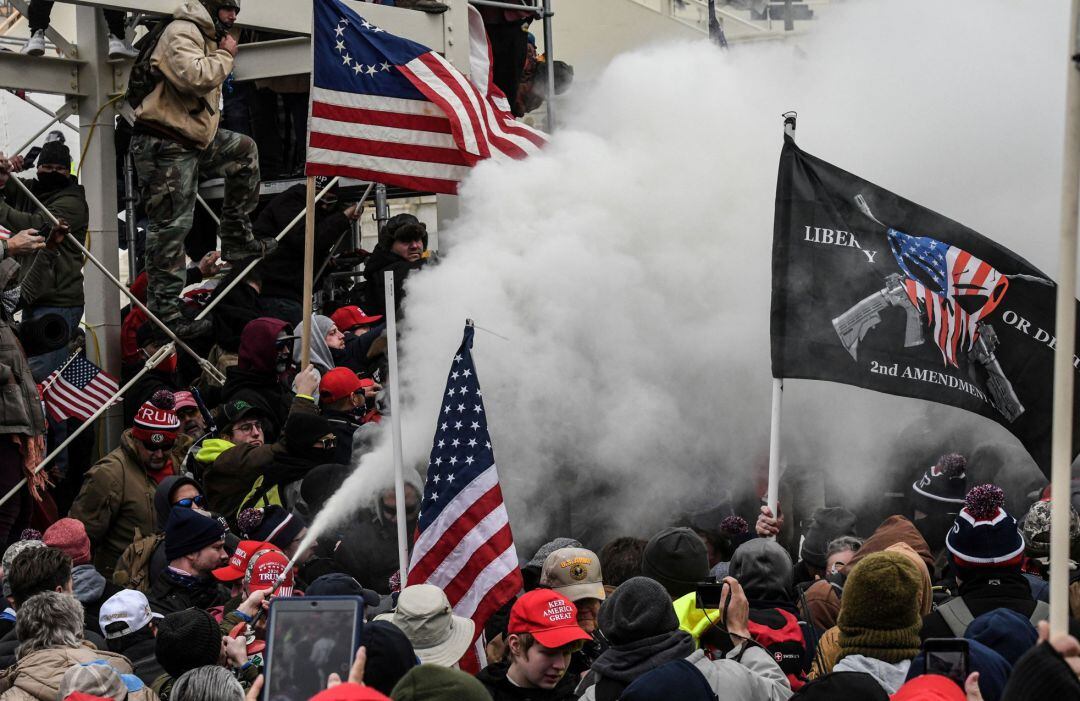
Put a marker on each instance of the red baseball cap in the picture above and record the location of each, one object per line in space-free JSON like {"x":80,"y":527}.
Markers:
{"x":350,"y":317}
{"x":549,"y":617}
{"x":239,"y":561}
{"x":264,"y":568}
{"x":338,"y":384}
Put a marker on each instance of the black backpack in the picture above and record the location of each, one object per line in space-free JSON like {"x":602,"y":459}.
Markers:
{"x":143,"y":77}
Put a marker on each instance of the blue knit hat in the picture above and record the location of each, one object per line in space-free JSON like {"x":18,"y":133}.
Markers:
{"x":1004,"y":631}
{"x":993,"y":669}
{"x":984,"y":535}
{"x":188,"y":531}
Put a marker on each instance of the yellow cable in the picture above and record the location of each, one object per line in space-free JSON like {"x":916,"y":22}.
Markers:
{"x":93,"y":128}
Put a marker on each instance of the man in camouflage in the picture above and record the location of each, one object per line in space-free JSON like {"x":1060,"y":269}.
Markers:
{"x":177,"y":139}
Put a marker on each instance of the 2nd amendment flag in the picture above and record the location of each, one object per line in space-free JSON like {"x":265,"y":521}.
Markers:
{"x":873,"y":290}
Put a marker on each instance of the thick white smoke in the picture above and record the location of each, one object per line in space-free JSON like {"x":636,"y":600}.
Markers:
{"x":629,"y":264}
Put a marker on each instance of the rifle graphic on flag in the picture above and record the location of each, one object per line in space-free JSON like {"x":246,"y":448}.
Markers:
{"x":876,"y":291}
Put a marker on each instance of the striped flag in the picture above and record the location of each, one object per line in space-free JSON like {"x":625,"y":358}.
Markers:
{"x":77,"y":390}
{"x":953,"y":288}
{"x":463,"y":541}
{"x":389,"y":110}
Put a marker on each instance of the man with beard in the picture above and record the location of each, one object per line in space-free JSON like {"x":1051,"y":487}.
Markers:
{"x":401,"y":247}
{"x":61,"y":281}
{"x":258,"y":376}
{"x":117,"y":496}
{"x":194,"y":547}
{"x":192,"y":423}
{"x":232,"y":462}
{"x":575,"y":574}
{"x":177,"y":138}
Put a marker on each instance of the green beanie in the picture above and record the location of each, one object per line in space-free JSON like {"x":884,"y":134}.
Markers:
{"x":879,"y":609}
{"x":428,"y":682}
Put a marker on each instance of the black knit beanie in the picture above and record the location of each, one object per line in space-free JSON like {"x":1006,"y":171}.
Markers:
{"x":188,"y":531}
{"x":676,"y":558}
{"x":638,"y":608}
{"x":187,"y":639}
{"x":1041,"y":674}
{"x":55,"y":153}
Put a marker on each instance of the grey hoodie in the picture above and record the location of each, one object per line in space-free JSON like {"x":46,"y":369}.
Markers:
{"x":764,"y":570}
{"x":890,"y":675}
{"x":320,"y":352}
{"x":89,"y":583}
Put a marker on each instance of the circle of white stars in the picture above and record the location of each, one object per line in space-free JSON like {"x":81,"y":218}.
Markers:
{"x":357,"y":67}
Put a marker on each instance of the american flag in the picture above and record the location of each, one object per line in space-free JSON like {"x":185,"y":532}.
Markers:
{"x":952,"y":287}
{"x":78,"y":390}
{"x":463,"y":542}
{"x":389,"y":110}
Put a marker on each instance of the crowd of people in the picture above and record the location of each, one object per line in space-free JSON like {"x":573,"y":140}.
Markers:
{"x":146,"y":574}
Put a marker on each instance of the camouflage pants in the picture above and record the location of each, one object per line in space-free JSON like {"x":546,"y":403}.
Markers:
{"x":169,"y":175}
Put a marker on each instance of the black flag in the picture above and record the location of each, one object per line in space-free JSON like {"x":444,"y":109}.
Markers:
{"x":873,"y":290}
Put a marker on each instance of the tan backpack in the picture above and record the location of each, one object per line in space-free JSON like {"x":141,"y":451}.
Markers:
{"x":133,"y":568}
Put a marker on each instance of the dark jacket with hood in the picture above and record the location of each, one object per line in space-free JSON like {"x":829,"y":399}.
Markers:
{"x":230,"y":470}
{"x":255,"y":377}
{"x":765,"y":571}
{"x":381,"y":260}
{"x":984,"y":590}
{"x":52,"y":277}
{"x":167,"y":595}
{"x":640,"y":623}
{"x":282,"y":276}
{"x":280,"y":481}
{"x":139,"y":648}
{"x":493,"y":677}
{"x":368,"y":549}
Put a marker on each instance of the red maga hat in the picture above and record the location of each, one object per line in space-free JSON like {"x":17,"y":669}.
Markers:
{"x":549,"y":617}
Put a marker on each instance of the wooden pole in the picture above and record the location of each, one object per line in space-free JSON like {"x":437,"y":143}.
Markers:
{"x":309,"y":264}
{"x":1065,"y":325}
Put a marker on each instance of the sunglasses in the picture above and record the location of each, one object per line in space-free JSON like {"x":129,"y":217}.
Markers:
{"x":164,"y":447}
{"x":410,"y":511}
{"x":327,"y":442}
{"x":191,"y":501}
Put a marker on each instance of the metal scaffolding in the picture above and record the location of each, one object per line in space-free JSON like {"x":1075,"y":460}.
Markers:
{"x":92,"y":84}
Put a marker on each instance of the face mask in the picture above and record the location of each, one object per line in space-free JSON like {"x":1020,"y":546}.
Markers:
{"x":10,"y":299}
{"x":50,"y":182}
{"x":169,"y":364}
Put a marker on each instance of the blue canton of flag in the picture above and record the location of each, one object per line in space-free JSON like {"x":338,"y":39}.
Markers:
{"x":926,"y":254}
{"x":463,"y":541}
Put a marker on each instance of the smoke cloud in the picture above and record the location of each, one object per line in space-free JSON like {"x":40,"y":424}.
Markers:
{"x":629,"y":264}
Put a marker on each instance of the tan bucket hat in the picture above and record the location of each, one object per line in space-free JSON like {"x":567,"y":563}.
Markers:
{"x":424,"y":615}
{"x":574,"y":573}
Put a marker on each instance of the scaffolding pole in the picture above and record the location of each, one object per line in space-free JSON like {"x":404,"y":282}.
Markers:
{"x":150,"y":364}
{"x":203,"y":363}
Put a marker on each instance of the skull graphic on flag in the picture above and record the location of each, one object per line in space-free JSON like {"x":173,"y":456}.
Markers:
{"x":951,"y":287}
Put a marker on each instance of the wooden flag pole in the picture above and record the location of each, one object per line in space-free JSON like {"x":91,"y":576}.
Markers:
{"x":1065,"y":330}
{"x":395,"y":425}
{"x":309,"y":264}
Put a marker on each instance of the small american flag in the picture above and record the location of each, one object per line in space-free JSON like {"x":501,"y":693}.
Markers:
{"x":952,"y":287}
{"x":389,"y":110}
{"x":78,"y":390}
{"x":463,"y":541}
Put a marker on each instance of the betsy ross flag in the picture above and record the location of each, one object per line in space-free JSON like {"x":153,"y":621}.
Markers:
{"x":78,"y":390}
{"x":874,"y":290}
{"x":389,"y":110}
{"x":463,"y":542}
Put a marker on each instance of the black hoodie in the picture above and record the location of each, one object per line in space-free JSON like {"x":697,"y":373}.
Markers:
{"x":493,"y":677}
{"x":255,"y":379}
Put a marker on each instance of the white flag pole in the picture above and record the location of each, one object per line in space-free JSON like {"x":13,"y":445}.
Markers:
{"x":773,"y":494}
{"x":1065,"y":325}
{"x":395,"y":425}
